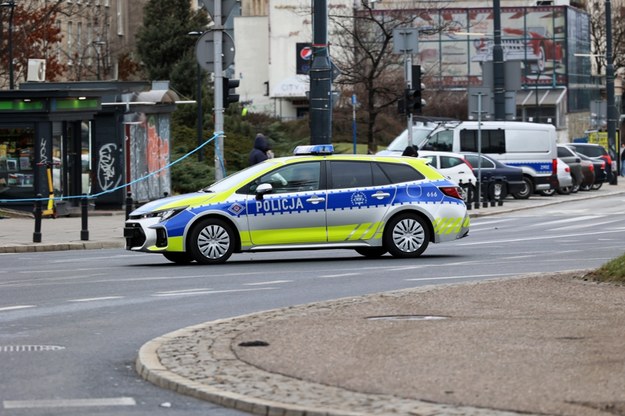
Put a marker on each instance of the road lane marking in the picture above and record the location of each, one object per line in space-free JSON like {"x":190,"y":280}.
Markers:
{"x":16,"y":307}
{"x":211,"y":292}
{"x":578,"y":226}
{"x":461,"y":277}
{"x":271,"y":282}
{"x":546,"y":237}
{"x":329,"y":276}
{"x":39,"y":404}
{"x":96,"y":299}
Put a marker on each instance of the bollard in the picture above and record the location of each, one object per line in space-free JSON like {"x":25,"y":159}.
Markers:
{"x":476,"y":196}
{"x":37,"y":212}
{"x":84,"y":213}
{"x":128,"y":204}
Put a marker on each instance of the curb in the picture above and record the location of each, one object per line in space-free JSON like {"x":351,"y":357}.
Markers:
{"x":199,"y":361}
{"x":43,"y":247}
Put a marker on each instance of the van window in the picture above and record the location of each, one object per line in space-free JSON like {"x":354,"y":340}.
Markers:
{"x":442,"y":141}
{"x":493,"y":141}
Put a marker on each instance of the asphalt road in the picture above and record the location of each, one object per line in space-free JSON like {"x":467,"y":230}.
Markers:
{"x":71,"y":323}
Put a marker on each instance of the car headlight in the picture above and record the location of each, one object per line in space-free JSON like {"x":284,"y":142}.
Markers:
{"x":168,"y":213}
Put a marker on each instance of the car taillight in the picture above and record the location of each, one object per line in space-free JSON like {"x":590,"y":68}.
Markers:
{"x":567,"y":169}
{"x":592,"y":168}
{"x":554,"y":166}
{"x":452,"y":191}
{"x":602,"y":165}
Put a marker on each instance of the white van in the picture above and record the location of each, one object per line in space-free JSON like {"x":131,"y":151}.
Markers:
{"x":530,"y":146}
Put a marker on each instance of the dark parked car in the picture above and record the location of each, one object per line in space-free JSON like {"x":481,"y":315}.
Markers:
{"x":595,"y":151}
{"x":601,"y":174}
{"x":510,"y":178}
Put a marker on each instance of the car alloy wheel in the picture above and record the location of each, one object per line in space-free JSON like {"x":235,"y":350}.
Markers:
{"x":406,"y":236}
{"x":211,"y":241}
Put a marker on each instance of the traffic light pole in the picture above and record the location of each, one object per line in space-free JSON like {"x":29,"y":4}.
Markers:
{"x":408,"y":69}
{"x":219,"y":105}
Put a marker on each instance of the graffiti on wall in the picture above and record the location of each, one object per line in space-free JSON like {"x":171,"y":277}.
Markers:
{"x":149,"y":148}
{"x":108,"y":175}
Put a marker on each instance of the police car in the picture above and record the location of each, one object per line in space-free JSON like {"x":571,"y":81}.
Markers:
{"x":312,"y":200}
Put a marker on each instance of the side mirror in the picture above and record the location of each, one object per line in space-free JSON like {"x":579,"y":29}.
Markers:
{"x":262,"y":189}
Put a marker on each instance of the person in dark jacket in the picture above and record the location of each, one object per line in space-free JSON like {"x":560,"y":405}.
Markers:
{"x":260,"y":151}
{"x":411,"y":150}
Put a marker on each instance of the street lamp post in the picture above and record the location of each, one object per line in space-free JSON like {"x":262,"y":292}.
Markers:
{"x":609,"y":85}
{"x":11,"y":5}
{"x":97,"y":45}
{"x":200,"y":111}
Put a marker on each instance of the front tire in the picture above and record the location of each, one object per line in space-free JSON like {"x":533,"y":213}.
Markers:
{"x":179,"y":258}
{"x":212,"y":241}
{"x":406,"y":236}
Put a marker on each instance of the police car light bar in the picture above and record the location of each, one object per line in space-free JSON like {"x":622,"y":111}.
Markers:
{"x":316,"y":149}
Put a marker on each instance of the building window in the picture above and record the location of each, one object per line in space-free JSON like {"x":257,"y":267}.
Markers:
{"x":70,"y":42}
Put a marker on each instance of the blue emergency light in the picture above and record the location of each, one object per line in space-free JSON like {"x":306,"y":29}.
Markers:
{"x":315,"y":149}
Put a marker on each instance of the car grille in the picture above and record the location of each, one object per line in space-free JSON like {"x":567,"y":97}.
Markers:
{"x":134,"y":235}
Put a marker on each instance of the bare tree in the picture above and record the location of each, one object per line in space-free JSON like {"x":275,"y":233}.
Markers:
{"x":598,"y":34}
{"x":368,"y":66}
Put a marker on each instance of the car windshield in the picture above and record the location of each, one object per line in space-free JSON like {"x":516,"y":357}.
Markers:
{"x":592,"y":151}
{"x":238,"y":178}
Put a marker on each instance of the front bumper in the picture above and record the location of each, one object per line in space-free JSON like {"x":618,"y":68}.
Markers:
{"x":145,"y":235}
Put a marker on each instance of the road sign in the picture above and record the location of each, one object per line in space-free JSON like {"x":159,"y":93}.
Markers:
{"x":205,"y":51}
{"x":226,"y":9}
{"x":405,"y":40}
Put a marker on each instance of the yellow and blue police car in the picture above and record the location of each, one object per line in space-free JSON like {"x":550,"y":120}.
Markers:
{"x":311,"y":200}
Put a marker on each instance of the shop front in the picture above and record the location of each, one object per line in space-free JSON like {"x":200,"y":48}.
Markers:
{"x":44,"y":143}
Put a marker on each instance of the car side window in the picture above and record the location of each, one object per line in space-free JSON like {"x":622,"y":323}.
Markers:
{"x":450,"y":162}
{"x":347,"y":174}
{"x":299,"y":177}
{"x":399,"y":173}
{"x":474,"y":161}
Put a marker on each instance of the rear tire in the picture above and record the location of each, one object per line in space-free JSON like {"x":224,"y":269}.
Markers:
{"x":406,"y":236}
{"x":548,"y":192}
{"x":527,"y":190}
{"x":212,"y":241}
{"x":565,"y":190}
{"x":596,"y":186}
{"x":371,"y":252}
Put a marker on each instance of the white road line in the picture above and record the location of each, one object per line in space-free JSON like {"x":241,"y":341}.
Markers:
{"x":32,"y":404}
{"x":96,"y":299}
{"x":211,"y":292}
{"x":578,"y":226}
{"x":547,"y":237}
{"x":271,"y":282}
{"x":199,"y":289}
{"x":14,"y":308}
{"x":329,"y":276}
{"x":461,"y":277}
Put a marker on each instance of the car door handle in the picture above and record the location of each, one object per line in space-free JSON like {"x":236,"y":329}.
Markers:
{"x":380,"y":195}
{"x":315,"y":199}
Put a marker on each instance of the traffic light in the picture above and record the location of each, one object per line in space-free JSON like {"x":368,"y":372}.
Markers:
{"x":416,"y":102}
{"x":228,"y":91}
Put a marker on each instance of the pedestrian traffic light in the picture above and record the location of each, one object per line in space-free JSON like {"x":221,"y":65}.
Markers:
{"x":228,"y":91}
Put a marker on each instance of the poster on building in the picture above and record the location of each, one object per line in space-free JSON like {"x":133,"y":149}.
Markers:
{"x":462,"y":40}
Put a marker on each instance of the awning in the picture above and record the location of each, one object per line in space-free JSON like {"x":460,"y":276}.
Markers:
{"x":292,"y":87}
{"x":527,"y":98}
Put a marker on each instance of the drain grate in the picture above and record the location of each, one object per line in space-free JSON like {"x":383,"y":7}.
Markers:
{"x":406,"y":317}
{"x":30,"y":348}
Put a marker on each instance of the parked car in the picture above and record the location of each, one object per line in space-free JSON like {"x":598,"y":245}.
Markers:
{"x":601,"y":174}
{"x":452,"y":165}
{"x":490,"y":169}
{"x":565,"y":180}
{"x":568,"y":156}
{"x":595,"y":151}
